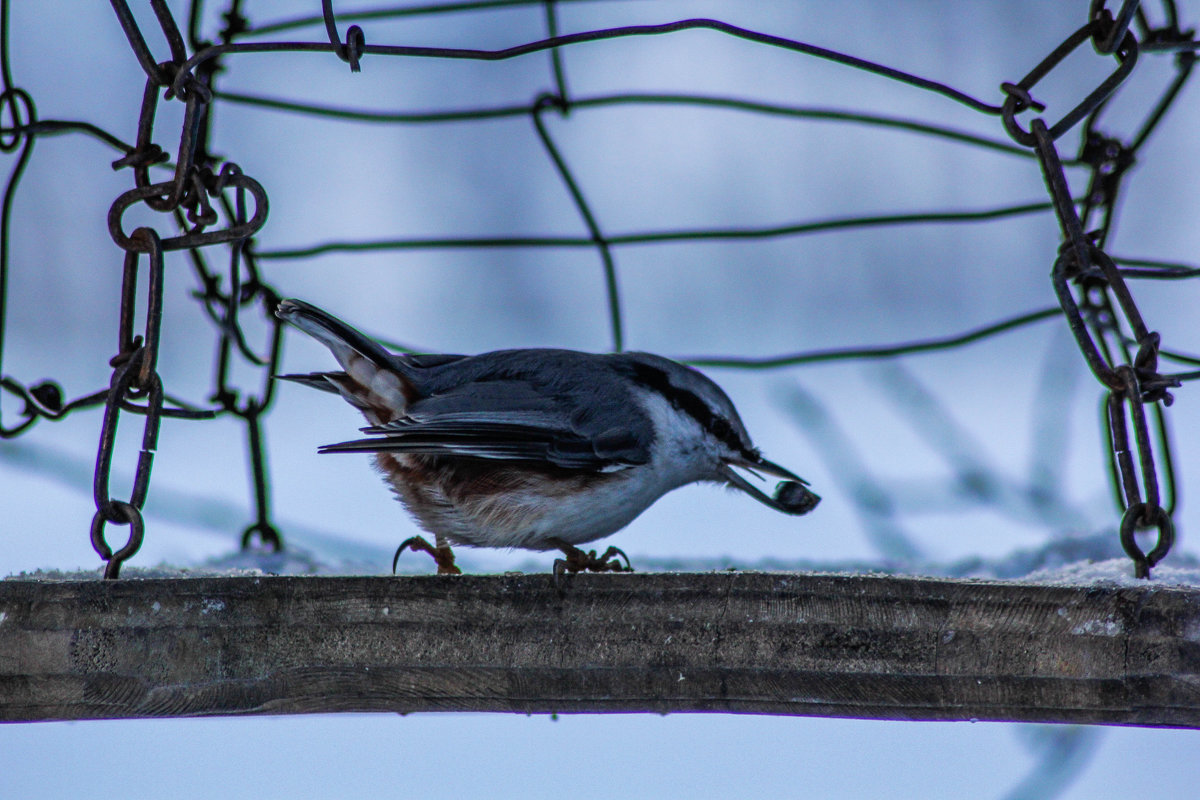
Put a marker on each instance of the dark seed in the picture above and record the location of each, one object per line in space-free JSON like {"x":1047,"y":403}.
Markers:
{"x":795,"y":498}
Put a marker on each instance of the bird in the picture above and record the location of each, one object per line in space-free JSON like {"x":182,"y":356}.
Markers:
{"x":537,"y":448}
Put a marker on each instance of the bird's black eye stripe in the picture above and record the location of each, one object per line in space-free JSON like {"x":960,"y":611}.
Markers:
{"x":687,"y":402}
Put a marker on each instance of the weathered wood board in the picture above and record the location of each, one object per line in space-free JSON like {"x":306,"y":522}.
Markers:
{"x":772,"y":643}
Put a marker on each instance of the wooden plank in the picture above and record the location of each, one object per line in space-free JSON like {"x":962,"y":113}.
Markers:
{"x":807,"y":644}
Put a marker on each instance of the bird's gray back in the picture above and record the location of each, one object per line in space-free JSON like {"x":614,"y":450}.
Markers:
{"x":573,"y":394}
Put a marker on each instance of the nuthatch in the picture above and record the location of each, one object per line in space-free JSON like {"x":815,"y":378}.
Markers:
{"x":539,"y":449}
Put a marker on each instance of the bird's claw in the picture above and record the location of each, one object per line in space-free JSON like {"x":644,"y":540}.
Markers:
{"x":443,"y":555}
{"x":586,"y":560}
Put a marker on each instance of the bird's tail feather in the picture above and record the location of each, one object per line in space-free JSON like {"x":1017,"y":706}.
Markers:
{"x":314,"y":380}
{"x":375,"y":381}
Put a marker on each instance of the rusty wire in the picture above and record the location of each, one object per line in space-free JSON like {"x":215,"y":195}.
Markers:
{"x":209,"y":200}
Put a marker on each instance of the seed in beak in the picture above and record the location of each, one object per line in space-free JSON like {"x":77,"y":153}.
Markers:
{"x":795,"y":498}
{"x":791,"y":497}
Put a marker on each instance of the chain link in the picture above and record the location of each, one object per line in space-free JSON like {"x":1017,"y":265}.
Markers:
{"x":1096,"y":322}
{"x":1019,"y":98}
{"x":187,"y":197}
{"x":134,"y":377}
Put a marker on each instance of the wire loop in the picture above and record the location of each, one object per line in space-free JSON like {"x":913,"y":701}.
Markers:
{"x":355,"y":44}
{"x":121,"y":513}
{"x":1145,"y":515}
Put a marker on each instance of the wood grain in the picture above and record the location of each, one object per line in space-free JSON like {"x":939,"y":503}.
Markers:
{"x":773,"y":643}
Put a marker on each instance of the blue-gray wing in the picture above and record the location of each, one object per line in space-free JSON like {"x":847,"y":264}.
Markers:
{"x":512,"y":420}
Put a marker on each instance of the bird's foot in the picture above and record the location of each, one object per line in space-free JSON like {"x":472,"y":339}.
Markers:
{"x":580,"y":560}
{"x":442,"y":554}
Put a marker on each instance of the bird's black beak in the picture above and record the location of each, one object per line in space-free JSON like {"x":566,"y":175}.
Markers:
{"x":791,"y":496}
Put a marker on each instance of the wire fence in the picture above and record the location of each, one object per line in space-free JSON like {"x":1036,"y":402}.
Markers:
{"x":213,"y":210}
{"x":216,"y":206}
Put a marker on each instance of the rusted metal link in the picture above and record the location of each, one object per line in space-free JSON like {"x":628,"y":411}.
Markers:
{"x":1168,"y":30}
{"x":1184,"y":63}
{"x":185,"y":160}
{"x":134,"y":376}
{"x":238,"y":217}
{"x":159,"y":73}
{"x":122,"y":382}
{"x":170,"y":30}
{"x":1081,"y":260}
{"x":240,"y":293}
{"x":1166,"y":462}
{"x":1145,"y":515}
{"x":109,"y":509}
{"x":1018,"y":96}
{"x":123,"y":513}
{"x":145,"y":152}
{"x":197,"y":237}
{"x":167,"y":73}
{"x":1060,"y":196}
{"x":1116,"y":283}
{"x":147,"y":344}
{"x":1114,"y":30}
{"x":266,"y":533}
{"x":216,"y":308}
{"x":1154,"y":386}
{"x":1117,"y":400}
{"x":1162,"y":446}
{"x":1064,"y":268}
{"x":1139,"y":513}
{"x":268,"y":300}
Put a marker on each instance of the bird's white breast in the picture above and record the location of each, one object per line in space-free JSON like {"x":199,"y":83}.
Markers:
{"x":680,"y":454}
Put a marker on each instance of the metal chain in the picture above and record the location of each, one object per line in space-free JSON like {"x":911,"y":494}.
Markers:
{"x":1019,"y":98}
{"x":186,"y":195}
{"x":1096,"y":322}
{"x":134,"y":376}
